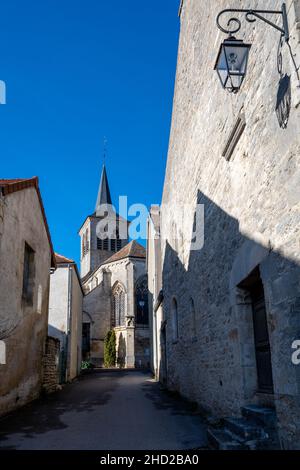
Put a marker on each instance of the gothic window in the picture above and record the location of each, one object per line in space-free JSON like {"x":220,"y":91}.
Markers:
{"x":141,"y":296}
{"x":99,"y":244}
{"x":105,"y":244}
{"x":174,"y":318}
{"x":118,"y":311}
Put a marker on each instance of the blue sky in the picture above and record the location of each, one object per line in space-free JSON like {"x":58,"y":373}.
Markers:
{"x":77,"y":71}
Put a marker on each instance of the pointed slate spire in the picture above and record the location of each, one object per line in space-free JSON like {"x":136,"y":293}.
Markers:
{"x":104,"y":192}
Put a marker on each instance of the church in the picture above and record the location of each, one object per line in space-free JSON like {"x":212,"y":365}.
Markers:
{"x":115,"y":285}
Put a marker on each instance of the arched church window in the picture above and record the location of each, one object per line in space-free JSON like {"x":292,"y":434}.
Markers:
{"x":141,"y":302}
{"x":118,"y":313}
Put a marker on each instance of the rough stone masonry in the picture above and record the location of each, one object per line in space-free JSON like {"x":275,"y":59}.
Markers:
{"x":252,"y":219}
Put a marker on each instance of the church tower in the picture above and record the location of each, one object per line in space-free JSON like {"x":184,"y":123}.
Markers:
{"x":94,"y":249}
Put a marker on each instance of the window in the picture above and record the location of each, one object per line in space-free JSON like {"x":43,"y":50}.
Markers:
{"x":118,"y":310}
{"x":105,"y":244}
{"x":234,"y":137}
{"x":119,"y":244}
{"x":87,"y":242}
{"x":141,"y":302}
{"x":99,"y":244}
{"x":193,"y":319}
{"x":113,"y":244}
{"x":174,"y":313}
{"x":82,"y":247}
{"x":28,"y":275}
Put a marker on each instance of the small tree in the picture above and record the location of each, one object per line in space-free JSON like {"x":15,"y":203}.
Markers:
{"x":110,"y":349}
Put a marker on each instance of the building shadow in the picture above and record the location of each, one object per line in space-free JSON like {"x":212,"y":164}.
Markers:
{"x":222,"y":366}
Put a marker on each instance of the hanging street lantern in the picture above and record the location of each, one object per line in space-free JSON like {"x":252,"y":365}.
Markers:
{"x":232,"y":59}
{"x":231,"y":63}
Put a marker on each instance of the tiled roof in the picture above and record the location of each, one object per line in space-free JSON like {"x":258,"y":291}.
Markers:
{"x":131,"y":250}
{"x":62,"y":259}
{"x":9,"y":186}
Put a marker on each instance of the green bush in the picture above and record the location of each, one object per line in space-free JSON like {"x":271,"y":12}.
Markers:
{"x":86,"y":365}
{"x":110,"y":349}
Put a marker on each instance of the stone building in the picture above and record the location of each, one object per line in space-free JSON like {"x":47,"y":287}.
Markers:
{"x":65,"y":315}
{"x":114,"y":280}
{"x":26,"y":256}
{"x":231,"y":310}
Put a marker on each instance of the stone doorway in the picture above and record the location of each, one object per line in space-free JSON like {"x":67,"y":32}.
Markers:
{"x":253,"y":286}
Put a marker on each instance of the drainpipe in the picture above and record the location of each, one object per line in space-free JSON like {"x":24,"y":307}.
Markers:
{"x":69,"y":323}
{"x":157,"y":304}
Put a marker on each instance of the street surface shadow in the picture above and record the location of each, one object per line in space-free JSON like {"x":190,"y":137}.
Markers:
{"x":44,"y":414}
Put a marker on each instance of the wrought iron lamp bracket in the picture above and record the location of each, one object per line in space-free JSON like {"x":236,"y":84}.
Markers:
{"x":251,"y":16}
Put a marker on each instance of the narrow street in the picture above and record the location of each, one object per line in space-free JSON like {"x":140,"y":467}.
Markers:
{"x":105,"y":410}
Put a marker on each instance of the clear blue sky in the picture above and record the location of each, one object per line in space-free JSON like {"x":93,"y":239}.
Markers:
{"x":75,"y":71}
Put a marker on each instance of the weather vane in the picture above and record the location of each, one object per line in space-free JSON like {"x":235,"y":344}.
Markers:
{"x":104,"y":148}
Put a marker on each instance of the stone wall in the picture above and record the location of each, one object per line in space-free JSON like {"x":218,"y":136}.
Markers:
{"x":23,"y":326}
{"x":97,"y":303}
{"x":51,"y":365}
{"x":251,"y":206}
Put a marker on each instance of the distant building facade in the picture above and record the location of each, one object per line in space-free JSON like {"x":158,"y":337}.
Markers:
{"x":231,"y":310}
{"x":65,"y":315}
{"x":114,"y":281}
{"x":26,"y":256}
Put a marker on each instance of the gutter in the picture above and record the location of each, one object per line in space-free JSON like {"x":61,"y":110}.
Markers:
{"x":159,"y":301}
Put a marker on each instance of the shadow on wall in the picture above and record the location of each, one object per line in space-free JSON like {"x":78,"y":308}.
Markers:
{"x":247,"y":307}
{"x":121,"y":354}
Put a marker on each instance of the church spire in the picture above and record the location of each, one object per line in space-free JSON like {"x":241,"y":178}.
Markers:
{"x":104,"y":192}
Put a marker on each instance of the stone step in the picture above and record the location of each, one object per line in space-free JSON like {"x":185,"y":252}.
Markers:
{"x":222,"y":439}
{"x":245,"y":428}
{"x":260,"y":414}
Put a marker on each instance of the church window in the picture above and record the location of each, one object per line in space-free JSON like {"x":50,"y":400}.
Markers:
{"x":141,"y":302}
{"x":82,"y":247}
{"x":119,"y":244}
{"x":28,"y":275}
{"x":174,"y":318}
{"x":87,"y":241}
{"x":118,"y":313}
{"x":105,"y":244}
{"x":99,"y":244}
{"x":113,"y":244}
